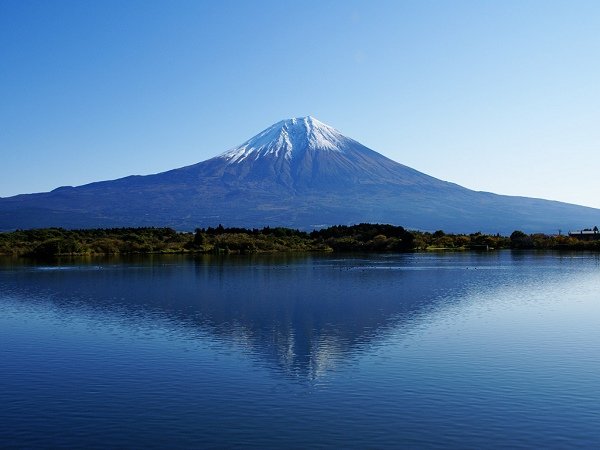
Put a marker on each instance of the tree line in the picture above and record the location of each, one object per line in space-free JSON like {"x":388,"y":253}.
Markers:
{"x":363,"y":237}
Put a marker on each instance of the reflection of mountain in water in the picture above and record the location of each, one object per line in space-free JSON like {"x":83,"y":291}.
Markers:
{"x":301,"y":315}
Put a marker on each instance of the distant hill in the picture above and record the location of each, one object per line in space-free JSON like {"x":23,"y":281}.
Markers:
{"x":297,"y":173}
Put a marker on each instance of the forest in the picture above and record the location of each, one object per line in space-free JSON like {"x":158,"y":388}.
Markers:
{"x":364,"y":237}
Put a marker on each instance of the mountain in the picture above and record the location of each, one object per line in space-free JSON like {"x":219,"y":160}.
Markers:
{"x":297,"y":173}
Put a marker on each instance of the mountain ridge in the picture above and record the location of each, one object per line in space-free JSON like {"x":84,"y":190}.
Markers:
{"x":298,"y":173}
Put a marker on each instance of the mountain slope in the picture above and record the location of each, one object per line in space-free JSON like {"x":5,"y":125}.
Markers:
{"x":297,"y":173}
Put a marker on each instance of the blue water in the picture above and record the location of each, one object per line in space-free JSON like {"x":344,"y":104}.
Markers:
{"x":467,"y":350}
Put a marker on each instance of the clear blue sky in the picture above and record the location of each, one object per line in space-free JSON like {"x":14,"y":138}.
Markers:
{"x":502,"y":96}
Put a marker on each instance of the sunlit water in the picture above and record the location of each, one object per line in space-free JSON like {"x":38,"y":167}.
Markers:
{"x":489,"y":350}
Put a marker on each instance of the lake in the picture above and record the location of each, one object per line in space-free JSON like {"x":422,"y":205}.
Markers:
{"x":452,"y":350}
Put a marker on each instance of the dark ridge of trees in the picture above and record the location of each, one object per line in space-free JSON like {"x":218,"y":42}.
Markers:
{"x":277,"y":231}
{"x":364,"y":237}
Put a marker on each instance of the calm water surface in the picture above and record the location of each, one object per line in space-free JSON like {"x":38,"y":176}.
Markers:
{"x":498,"y":350}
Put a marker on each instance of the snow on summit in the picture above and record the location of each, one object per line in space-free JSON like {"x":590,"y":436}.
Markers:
{"x":286,"y":138}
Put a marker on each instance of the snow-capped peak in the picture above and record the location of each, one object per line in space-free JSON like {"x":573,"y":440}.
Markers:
{"x":285,"y":138}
